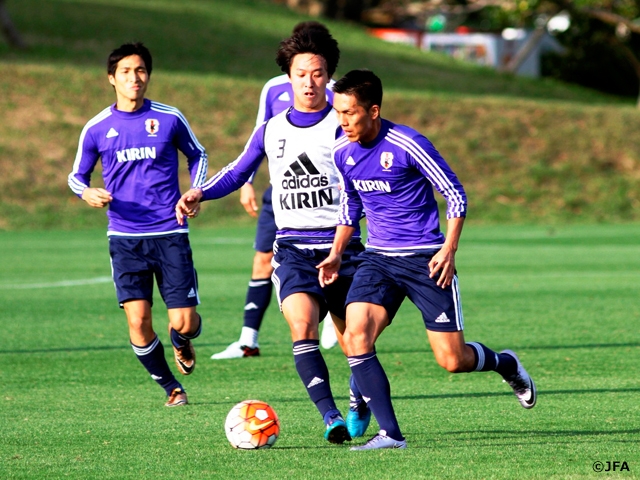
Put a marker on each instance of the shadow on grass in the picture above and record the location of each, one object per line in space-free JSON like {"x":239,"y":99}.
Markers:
{"x":519,"y":348}
{"x":543,"y":393}
{"x":565,"y":433}
{"x":439,"y":396}
{"x":511,"y":438}
{"x":384,"y":351}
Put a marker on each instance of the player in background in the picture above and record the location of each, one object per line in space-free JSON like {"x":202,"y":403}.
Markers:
{"x":389,"y":171}
{"x":297,"y":144}
{"x":276,"y":96}
{"x":137,"y":141}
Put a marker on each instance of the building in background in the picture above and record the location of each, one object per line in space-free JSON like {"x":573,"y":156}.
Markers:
{"x":488,"y":49}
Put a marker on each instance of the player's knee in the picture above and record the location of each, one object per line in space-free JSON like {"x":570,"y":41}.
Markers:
{"x":452,"y":363}
{"x":140,"y":327}
{"x":356,"y":342}
{"x":302,"y":330}
{"x":185,"y":321}
{"x":262,"y":265}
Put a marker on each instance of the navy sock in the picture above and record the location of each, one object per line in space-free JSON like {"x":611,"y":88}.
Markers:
{"x":374,"y":385}
{"x":179,"y":340}
{"x":331,"y":414}
{"x":356,"y":402}
{"x":152,"y":357}
{"x":488,"y":360}
{"x":257,"y":301}
{"x":314,"y":374}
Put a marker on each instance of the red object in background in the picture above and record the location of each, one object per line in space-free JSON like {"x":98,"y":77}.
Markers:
{"x":398,"y":35}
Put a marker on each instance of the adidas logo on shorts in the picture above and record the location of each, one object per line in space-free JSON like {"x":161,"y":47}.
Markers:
{"x":442,"y":318}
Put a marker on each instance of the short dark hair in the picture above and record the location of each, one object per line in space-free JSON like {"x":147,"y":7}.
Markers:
{"x":310,"y":25}
{"x":126,"y":50}
{"x":314,"y":41}
{"x":362,"y":84}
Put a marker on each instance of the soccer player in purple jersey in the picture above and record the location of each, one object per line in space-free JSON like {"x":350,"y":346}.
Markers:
{"x":276,"y":96}
{"x":137,"y":141}
{"x":297,"y":144}
{"x":389,"y":171}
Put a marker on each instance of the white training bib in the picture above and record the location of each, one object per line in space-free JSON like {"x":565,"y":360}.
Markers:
{"x":304,"y":177}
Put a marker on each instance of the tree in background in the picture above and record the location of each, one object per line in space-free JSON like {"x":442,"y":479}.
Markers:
{"x":10,"y":32}
{"x":602,"y":43}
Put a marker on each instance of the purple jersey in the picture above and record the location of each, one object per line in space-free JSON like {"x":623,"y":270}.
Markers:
{"x":391,"y":178}
{"x":139,"y":154}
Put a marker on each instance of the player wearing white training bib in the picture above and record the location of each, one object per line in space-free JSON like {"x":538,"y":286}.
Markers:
{"x":305,"y":181}
{"x":298,"y":145}
{"x":276,"y":97}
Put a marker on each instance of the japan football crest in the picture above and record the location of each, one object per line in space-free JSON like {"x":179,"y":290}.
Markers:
{"x":151,"y":125}
{"x":386,"y":160}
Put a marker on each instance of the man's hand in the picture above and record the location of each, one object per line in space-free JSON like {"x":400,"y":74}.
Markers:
{"x":188,"y":205}
{"x":328,"y":269}
{"x":444,"y":261}
{"x":96,"y":197}
{"x":248,"y":199}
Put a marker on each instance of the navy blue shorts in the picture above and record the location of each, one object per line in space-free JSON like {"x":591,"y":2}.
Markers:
{"x":135,"y":262}
{"x":266,"y":230}
{"x":386,"y":281}
{"x":295,"y":271}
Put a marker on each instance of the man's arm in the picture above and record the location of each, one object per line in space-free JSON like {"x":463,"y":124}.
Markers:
{"x":188,"y":205}
{"x":349,"y":217}
{"x":248,"y":199}
{"x":227,"y":180}
{"x":441,"y":176}
{"x":96,"y":197}
{"x":445,"y":260}
{"x":196,"y":154}
{"x":329,"y":267}
{"x":236,"y":174}
{"x":79,"y":179}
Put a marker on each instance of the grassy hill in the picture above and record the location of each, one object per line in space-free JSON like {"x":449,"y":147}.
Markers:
{"x":526,"y":150}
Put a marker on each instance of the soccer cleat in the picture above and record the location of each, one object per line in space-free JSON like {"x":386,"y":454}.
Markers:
{"x":328,"y":338}
{"x":337,"y":431}
{"x":177,"y":398}
{"x":381,"y":441}
{"x":235,"y":350}
{"x":185,"y":358}
{"x":358,"y":421}
{"x":522,"y":384}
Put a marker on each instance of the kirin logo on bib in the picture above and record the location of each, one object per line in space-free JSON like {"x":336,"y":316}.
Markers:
{"x":386,"y":160}
{"x":151,"y":125}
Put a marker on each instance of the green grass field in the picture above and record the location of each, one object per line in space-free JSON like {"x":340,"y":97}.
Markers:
{"x":76,"y":403}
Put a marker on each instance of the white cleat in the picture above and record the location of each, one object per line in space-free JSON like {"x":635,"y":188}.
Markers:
{"x":522,"y":384}
{"x":235,"y":350}
{"x":328,"y":339}
{"x":381,"y":441}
